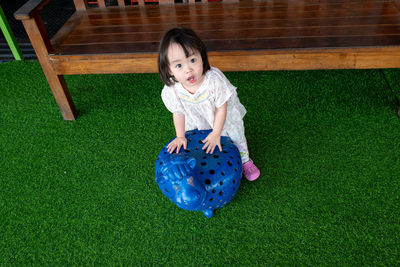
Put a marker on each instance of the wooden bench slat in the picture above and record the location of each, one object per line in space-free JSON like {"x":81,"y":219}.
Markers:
{"x":186,"y":16}
{"x":224,"y":34}
{"x":250,"y":24}
{"x":271,"y":5}
{"x":261,"y":6}
{"x":332,"y":58}
{"x":68,"y":27}
{"x":242,"y":44}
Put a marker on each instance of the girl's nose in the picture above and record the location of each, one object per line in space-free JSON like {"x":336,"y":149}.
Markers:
{"x":188,"y":69}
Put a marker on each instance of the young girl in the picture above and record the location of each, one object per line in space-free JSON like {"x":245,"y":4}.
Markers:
{"x":200,"y":97}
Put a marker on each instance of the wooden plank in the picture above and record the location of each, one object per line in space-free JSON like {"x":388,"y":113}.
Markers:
{"x":246,"y":18}
{"x":224,"y":34}
{"x":238,"y":61}
{"x":238,"y":44}
{"x":247,"y":24}
{"x":271,"y":6}
{"x":183,"y":16}
{"x":150,"y":22}
{"x":267,"y":7}
{"x":309,"y":60}
{"x":66,"y":29}
{"x":397,"y":4}
{"x":37,"y":31}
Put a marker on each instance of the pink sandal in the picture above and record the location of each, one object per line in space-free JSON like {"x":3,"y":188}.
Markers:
{"x":250,"y":171}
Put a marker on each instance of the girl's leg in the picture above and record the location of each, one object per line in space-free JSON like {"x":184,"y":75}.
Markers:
{"x":244,"y":151}
{"x":250,"y":171}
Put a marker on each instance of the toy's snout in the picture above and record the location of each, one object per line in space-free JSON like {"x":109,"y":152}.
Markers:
{"x":177,"y":179}
{"x":189,"y":195}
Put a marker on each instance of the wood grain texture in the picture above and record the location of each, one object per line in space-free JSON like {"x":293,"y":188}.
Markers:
{"x":64,"y":32}
{"x":300,"y":59}
{"x":239,"y":26}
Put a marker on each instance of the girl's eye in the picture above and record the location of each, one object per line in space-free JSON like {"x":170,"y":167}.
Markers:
{"x":178,"y":66}
{"x":193,"y":60}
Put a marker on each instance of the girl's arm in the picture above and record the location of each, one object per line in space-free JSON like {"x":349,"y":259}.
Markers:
{"x":180,"y":140}
{"x":214,"y":138}
{"x":179,"y":122}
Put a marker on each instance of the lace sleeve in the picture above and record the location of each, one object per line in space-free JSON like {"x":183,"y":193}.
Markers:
{"x":171,"y":100}
{"x":222,"y":89}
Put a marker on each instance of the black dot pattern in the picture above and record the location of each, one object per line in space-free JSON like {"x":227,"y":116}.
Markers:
{"x":219,"y":173}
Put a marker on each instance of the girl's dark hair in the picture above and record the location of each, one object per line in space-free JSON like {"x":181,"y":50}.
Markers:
{"x":189,"y":41}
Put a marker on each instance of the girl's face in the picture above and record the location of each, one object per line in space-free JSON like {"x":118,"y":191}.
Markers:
{"x":186,"y":70}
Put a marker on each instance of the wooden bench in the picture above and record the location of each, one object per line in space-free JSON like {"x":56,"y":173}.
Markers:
{"x":240,"y":36}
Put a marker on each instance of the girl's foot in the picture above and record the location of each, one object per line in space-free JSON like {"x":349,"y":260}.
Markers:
{"x":250,"y":171}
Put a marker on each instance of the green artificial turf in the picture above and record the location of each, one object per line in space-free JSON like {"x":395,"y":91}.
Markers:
{"x":83,"y":192}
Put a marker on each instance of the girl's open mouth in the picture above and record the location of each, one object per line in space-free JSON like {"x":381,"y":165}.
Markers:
{"x":191,"y":79}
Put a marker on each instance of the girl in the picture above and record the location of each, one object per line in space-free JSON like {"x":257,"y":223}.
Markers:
{"x":200,"y":97}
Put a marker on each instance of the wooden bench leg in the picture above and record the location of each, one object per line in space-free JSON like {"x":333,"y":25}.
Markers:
{"x":40,"y":42}
{"x":61,"y":94}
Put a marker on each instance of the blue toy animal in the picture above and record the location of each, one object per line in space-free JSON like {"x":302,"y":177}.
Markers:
{"x":194,"y":180}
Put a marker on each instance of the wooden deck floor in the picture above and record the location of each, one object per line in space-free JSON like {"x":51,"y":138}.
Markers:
{"x":249,"y":27}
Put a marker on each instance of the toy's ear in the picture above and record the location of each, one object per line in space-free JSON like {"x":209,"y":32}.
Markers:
{"x":191,"y":162}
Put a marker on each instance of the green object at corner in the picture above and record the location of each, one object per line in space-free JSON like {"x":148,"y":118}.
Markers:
{"x":5,"y":28}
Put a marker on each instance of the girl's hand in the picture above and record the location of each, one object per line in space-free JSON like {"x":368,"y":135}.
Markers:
{"x":211,"y":141}
{"x":177,"y":143}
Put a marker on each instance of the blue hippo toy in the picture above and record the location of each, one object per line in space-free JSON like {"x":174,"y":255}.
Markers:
{"x":194,"y":180}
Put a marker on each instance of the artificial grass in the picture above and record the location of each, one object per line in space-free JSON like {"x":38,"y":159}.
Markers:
{"x":327,"y":144}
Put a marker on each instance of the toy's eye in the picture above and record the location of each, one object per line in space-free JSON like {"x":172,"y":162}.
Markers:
{"x":190,"y":181}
